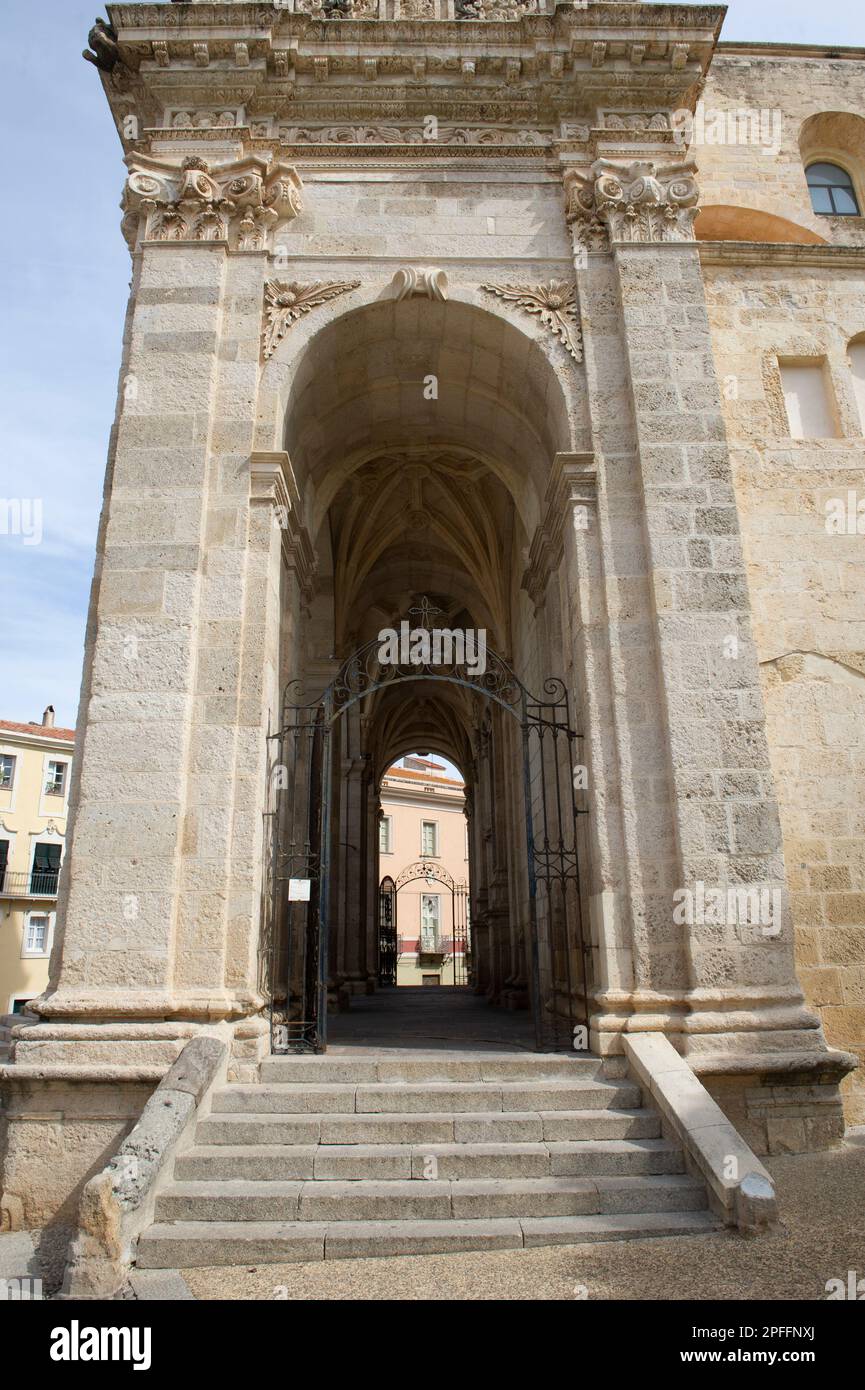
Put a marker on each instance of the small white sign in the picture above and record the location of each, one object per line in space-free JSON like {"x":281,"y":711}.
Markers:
{"x":298,"y":890}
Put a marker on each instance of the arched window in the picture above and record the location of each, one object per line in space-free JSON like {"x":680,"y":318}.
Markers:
{"x":832,"y":191}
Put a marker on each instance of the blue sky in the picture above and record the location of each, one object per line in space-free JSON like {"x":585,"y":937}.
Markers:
{"x":64,"y":277}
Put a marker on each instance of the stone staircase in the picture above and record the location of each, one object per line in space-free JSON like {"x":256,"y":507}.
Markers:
{"x":347,"y":1156}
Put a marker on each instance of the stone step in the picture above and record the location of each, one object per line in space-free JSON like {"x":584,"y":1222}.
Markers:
{"x":434,"y":1096}
{"x":590,"y":1158}
{"x":490,"y":1127}
{"x":418,"y":1200}
{"x":429,"y":1066}
{"x":190,"y":1244}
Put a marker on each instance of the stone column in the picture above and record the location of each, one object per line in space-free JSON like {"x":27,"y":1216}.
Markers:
{"x":741,"y":995}
{"x":160,"y":917}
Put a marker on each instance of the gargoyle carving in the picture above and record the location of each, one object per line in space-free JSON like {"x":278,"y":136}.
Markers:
{"x":103,"y":41}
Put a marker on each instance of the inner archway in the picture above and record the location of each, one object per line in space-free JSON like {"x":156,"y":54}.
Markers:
{"x":422,"y":500}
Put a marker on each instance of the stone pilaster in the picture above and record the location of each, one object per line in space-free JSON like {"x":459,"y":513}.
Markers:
{"x":740,"y":995}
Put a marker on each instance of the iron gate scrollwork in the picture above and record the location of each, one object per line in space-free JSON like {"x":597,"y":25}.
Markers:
{"x":387,"y":939}
{"x":559,"y":953}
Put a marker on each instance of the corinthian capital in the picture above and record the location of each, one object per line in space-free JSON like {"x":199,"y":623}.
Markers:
{"x":642,"y":201}
{"x":242,"y":203}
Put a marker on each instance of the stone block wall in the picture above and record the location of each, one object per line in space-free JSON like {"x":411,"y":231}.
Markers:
{"x":808,"y":592}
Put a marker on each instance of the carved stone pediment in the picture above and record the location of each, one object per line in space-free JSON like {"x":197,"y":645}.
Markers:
{"x":641,"y":201}
{"x":242,"y":202}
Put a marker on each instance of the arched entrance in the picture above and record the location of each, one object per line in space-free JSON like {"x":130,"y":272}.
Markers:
{"x":308,"y":825}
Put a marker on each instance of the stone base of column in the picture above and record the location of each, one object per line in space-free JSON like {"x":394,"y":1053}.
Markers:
{"x":70,"y":1095}
{"x":760,"y":1052}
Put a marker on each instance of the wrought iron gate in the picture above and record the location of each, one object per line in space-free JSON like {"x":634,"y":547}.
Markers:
{"x":559,"y":952}
{"x":461,"y":934}
{"x":387,"y":941}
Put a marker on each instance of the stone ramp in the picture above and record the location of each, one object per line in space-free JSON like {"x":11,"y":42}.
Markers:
{"x":420,"y":1152}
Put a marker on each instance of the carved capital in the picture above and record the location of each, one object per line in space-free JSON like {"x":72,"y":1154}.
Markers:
{"x":641,"y":201}
{"x":241,"y":203}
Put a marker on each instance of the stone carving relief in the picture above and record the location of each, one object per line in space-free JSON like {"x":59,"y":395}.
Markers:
{"x":285,"y":303}
{"x":495,"y":9}
{"x":203,"y":120}
{"x":339,"y":9}
{"x":242,"y":202}
{"x":635,"y":120}
{"x":432,"y":283}
{"x":555,"y":304}
{"x":407,"y":135}
{"x":641,"y":201}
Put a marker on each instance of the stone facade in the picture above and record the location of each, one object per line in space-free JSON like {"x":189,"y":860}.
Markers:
{"x":423,"y":306}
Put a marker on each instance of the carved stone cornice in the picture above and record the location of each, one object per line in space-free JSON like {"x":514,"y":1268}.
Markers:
{"x":573,"y":482}
{"x":637,"y":202}
{"x":272,"y":483}
{"x":240,"y":203}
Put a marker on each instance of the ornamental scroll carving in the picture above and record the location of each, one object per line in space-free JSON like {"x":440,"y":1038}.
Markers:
{"x":285,"y":303}
{"x":642,"y":202}
{"x":241,"y":203}
{"x":555,"y":304}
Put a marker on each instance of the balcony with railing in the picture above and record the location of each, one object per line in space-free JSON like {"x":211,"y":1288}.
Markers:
{"x":39,"y":883}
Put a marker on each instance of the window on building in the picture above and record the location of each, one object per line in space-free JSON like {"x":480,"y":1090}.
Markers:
{"x":385,"y":835}
{"x":46,"y":869}
{"x":55,"y":782}
{"x":429,"y":921}
{"x":7,"y":771}
{"x":832,"y":191}
{"x":4,"y":860}
{"x":19,"y":1005}
{"x":807,"y":399}
{"x":36,"y":934}
{"x":429,"y":838}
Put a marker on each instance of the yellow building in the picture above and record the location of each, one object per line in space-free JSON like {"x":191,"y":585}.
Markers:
{"x":35,"y":768}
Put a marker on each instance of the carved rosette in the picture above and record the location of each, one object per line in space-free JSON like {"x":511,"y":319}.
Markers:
{"x":642,"y":202}
{"x":284,"y":304}
{"x":555,"y":304}
{"x":242,"y":203}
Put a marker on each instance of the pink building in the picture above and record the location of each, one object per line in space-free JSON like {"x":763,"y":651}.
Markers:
{"x":423,"y":851}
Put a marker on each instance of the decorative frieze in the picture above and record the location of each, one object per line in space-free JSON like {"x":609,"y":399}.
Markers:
{"x":638,"y":121}
{"x":495,"y":9}
{"x":409,"y":135}
{"x":641,"y":201}
{"x":285,"y":303}
{"x":555,"y":304}
{"x":242,"y":202}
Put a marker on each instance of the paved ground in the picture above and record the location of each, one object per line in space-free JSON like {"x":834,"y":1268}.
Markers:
{"x":415,"y":1016}
{"x":822,"y":1199}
